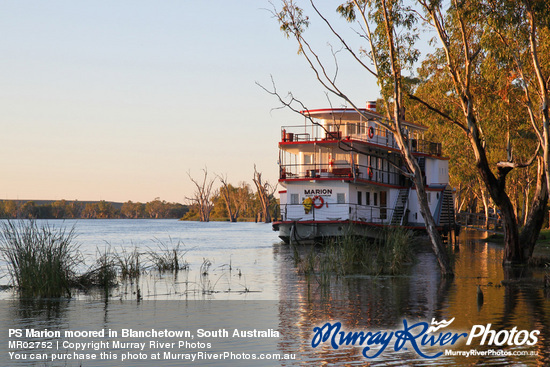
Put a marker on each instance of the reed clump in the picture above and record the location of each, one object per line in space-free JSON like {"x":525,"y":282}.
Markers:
{"x":103,"y":274}
{"x":349,"y":254}
{"x":128,"y":262}
{"x":166,"y":258}
{"x":41,"y":260}
{"x":390,"y":253}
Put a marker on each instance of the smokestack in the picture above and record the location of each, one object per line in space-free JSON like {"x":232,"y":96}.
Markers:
{"x":371,"y":105}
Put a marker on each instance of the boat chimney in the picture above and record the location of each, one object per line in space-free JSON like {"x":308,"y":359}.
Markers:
{"x":371,"y":105}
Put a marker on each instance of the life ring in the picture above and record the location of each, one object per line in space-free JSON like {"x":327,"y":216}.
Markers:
{"x":369,"y":172}
{"x":321,"y":202}
{"x":371,"y":132}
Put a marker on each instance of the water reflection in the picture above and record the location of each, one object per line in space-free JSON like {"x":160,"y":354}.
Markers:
{"x":364,"y":303}
{"x":297,"y":306}
{"x":38,"y":314}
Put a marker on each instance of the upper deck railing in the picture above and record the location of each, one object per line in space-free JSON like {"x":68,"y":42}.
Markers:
{"x":340,"y":170}
{"x":378,"y":136}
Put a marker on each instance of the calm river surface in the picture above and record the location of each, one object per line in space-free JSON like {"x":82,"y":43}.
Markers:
{"x":241,"y":277}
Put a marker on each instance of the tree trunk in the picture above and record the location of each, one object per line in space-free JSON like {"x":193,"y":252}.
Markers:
{"x":496,"y":188}
{"x":485,"y":201}
{"x":263,"y":195}
{"x":535,"y":218}
{"x":438,"y":248}
{"x":513,"y":254}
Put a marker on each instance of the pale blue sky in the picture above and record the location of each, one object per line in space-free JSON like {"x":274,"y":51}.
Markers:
{"x":118,"y":100}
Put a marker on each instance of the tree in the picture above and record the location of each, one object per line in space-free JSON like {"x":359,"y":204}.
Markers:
{"x":157,"y":209}
{"x":132,"y":210}
{"x":29,"y":210}
{"x":9,"y":209}
{"x":391,"y":50}
{"x":229,"y":193}
{"x":468,"y":32}
{"x":59,"y":209}
{"x":202,"y":197}
{"x":243,"y":199}
{"x":265,"y":193}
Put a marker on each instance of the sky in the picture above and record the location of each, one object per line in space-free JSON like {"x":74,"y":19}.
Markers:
{"x":123,"y":100}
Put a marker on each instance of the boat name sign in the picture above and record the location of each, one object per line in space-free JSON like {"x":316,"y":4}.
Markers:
{"x":326,"y":192}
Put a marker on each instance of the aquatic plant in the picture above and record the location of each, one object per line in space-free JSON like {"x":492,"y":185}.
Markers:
{"x":349,"y":254}
{"x":128,"y":263}
{"x":165,"y":258}
{"x":41,"y":259}
{"x":397,"y":248}
{"x":205,"y":267}
{"x":386,"y":255}
{"x":102,"y":274}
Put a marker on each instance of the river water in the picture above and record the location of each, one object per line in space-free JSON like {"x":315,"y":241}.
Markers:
{"x":242,"y":277}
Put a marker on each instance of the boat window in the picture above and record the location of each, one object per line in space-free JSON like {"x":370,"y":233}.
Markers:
{"x":341,"y":156}
{"x":367,"y":198}
{"x":294,"y":199}
{"x":375,"y":198}
{"x":308,"y":158}
{"x":332,"y":127}
{"x":341,"y":198}
{"x":359,"y":198}
{"x":361,"y":128}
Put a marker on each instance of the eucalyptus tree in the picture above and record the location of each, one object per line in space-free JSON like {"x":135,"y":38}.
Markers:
{"x":388,"y":27}
{"x":229,"y":194}
{"x":480,"y":40}
{"x":523,"y":28}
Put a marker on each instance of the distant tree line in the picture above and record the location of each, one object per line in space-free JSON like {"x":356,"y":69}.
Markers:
{"x":63,"y":209}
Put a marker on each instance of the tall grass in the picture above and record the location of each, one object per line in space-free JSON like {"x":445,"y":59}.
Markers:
{"x":166,"y":258}
{"x":41,"y":259}
{"x":102,"y":274}
{"x":349,"y":254}
{"x":128,"y":263}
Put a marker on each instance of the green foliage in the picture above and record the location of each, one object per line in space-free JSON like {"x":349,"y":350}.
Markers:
{"x":41,"y":260}
{"x":292,"y":19}
{"x":496,"y":95}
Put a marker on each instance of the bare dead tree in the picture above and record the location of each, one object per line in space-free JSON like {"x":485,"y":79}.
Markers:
{"x":265,"y":192}
{"x":202,"y":197}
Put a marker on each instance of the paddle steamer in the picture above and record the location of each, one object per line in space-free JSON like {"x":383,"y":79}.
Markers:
{"x":341,"y":172}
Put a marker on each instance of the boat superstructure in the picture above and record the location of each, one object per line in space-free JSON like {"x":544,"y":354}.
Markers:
{"x":340,"y":168}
